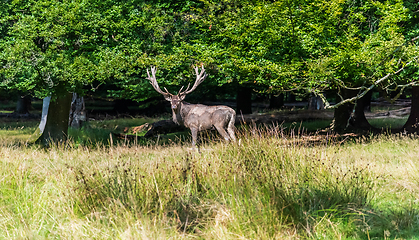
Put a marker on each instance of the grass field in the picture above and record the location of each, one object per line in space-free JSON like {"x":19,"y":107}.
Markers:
{"x":274,"y":185}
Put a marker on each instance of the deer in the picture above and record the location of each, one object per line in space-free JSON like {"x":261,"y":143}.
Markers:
{"x":197,"y":117}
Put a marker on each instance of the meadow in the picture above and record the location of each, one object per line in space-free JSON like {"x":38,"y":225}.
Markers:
{"x":276,"y":184}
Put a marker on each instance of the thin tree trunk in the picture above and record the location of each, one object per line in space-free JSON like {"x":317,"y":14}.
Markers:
{"x":39,"y":131}
{"x":23,"y":105}
{"x":244,"y":100}
{"x":78,"y":113}
{"x":412,"y":123}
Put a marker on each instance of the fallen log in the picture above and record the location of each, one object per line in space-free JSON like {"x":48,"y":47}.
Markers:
{"x":153,"y":129}
{"x":162,"y":127}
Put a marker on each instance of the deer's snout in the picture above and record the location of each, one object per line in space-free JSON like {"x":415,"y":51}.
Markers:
{"x":175,"y":105}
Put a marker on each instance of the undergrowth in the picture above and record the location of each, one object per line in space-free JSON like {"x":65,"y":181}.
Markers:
{"x":271,"y":184}
{"x":268,"y":186}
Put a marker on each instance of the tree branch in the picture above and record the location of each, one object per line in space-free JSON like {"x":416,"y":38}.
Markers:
{"x":328,"y":106}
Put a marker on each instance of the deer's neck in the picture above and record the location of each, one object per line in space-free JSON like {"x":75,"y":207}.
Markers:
{"x":177,"y":117}
{"x":180,"y":113}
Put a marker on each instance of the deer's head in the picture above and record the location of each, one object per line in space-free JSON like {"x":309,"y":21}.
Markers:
{"x":175,"y":100}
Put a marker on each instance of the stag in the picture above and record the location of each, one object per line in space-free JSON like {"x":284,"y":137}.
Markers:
{"x":197,"y":117}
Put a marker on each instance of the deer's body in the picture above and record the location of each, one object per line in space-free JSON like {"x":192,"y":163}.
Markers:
{"x":198,"y":117}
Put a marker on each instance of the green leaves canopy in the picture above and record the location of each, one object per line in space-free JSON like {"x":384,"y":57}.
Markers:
{"x":50,"y":46}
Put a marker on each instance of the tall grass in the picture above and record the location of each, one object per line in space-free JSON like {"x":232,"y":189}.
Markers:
{"x":266,"y":187}
{"x":270,"y":185}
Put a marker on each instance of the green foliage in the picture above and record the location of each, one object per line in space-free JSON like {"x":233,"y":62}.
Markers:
{"x":370,"y":43}
{"x":54,"y":44}
{"x":50,"y":46}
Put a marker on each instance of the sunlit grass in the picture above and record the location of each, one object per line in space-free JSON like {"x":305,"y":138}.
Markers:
{"x":274,"y":185}
{"x":16,"y":132}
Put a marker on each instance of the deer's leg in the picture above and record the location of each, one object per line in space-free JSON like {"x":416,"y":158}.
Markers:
{"x":223,"y":132}
{"x":194,"y":132}
{"x":231,"y":133}
{"x":230,"y":128}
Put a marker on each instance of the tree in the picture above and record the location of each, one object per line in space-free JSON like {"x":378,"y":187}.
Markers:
{"x":50,"y":48}
{"x":242,"y":44}
{"x":370,"y":50}
{"x":253,"y":44}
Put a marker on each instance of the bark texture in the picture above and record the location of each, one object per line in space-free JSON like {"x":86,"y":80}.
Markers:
{"x":358,"y":119}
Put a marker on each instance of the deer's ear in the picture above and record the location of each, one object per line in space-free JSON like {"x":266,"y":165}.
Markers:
{"x":168,"y":98}
{"x":181,"y":97}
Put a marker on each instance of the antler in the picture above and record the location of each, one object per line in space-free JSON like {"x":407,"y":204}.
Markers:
{"x":200,"y":77}
{"x":154,"y":83}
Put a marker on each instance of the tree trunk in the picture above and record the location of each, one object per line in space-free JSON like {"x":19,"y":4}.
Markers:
{"x":23,"y":105}
{"x":54,"y":120}
{"x":161,"y":127}
{"x":38,"y":132}
{"x":367,"y":102}
{"x":345,"y":116}
{"x":276,"y":102}
{"x":412,"y":123}
{"x":78,"y":113}
{"x":343,"y":113}
{"x":341,"y":117}
{"x":315,"y":103}
{"x":244,"y":100}
{"x":358,"y":119}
